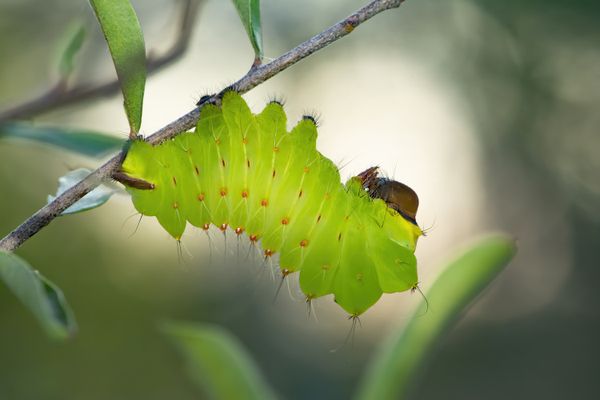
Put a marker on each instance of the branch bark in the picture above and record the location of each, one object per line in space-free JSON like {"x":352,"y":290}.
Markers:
{"x":255,"y":76}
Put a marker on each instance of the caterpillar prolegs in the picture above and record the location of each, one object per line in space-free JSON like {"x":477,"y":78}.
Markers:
{"x":247,"y":172}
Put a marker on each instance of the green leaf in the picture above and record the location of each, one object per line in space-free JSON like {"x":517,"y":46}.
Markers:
{"x":84,"y":142}
{"x":93,"y":199}
{"x":218,"y":363}
{"x":399,"y":358}
{"x":126,"y":44}
{"x":76,"y":37}
{"x":249,"y":11}
{"x":43,"y":298}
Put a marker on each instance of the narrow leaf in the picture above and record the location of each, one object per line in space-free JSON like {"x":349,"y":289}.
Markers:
{"x":249,"y":11}
{"x":43,"y":298}
{"x":126,"y":44}
{"x":218,"y":363}
{"x":400,"y":357}
{"x":93,"y":199}
{"x":84,"y":142}
{"x":76,"y":37}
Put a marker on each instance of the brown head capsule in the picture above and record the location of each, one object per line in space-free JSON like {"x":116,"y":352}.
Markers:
{"x":396,"y":195}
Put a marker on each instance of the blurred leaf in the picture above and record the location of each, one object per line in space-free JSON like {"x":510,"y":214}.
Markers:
{"x":249,"y":11}
{"x":88,"y":143}
{"x":218,"y":363}
{"x":44,"y":299}
{"x":391,"y":371}
{"x":126,"y":44}
{"x":93,"y":199}
{"x":66,"y":64}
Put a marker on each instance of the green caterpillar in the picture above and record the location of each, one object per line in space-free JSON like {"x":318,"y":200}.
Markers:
{"x":246,"y":171}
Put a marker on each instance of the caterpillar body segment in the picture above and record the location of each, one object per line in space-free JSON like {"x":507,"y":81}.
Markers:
{"x":247,"y":172}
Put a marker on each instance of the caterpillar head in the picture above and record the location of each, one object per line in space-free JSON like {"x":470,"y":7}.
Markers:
{"x":396,"y":195}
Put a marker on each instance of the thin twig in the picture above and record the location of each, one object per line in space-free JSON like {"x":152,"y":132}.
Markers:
{"x":254,"y":77}
{"x":61,"y":95}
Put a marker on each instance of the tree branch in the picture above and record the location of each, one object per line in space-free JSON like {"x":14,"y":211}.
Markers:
{"x":254,"y":77}
{"x":61,"y":95}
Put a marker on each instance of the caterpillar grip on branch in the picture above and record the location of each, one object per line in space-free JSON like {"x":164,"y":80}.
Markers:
{"x":247,"y":172}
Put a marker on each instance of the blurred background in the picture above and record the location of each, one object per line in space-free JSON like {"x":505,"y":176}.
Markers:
{"x":489,"y":110}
